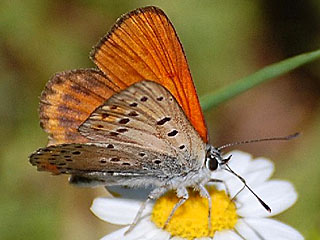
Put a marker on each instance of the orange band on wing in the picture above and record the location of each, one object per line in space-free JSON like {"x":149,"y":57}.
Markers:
{"x":68,"y":100}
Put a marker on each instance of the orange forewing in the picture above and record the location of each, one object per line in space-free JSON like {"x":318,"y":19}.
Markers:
{"x":68,"y":100}
{"x":144,"y":45}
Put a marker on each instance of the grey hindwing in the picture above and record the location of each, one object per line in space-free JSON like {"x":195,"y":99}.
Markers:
{"x":139,"y":136}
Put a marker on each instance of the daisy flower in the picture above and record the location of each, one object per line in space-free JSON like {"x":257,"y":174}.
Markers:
{"x":232,"y":218}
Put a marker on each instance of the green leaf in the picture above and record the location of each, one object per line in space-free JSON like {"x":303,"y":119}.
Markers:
{"x":274,"y":70}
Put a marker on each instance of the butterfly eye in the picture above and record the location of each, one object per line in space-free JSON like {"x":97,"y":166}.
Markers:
{"x":212,"y":163}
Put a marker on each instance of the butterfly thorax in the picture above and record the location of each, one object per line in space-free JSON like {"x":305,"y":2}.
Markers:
{"x":200,"y":174}
{"x":191,"y":179}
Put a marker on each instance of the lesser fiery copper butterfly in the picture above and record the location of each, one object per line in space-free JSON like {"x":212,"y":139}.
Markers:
{"x":134,"y":121}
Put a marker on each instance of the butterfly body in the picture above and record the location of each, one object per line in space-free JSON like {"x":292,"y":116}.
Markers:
{"x":170,"y":177}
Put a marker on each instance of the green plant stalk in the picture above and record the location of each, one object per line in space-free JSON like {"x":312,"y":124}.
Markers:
{"x":274,"y":70}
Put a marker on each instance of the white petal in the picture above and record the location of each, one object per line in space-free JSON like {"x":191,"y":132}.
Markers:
{"x":254,"y":172}
{"x":234,"y":186}
{"x":157,"y":234}
{"x":226,"y":235}
{"x":140,"y":230}
{"x":145,"y":230}
{"x":259,"y":170}
{"x":239,"y":162}
{"x":117,"y":210}
{"x":245,"y":231}
{"x":279,"y":195}
{"x":116,"y":234}
{"x":268,"y":229}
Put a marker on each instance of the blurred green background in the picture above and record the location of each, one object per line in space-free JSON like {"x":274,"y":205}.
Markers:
{"x":223,"y":40}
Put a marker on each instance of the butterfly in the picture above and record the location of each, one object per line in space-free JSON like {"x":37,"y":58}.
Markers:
{"x":135,"y":120}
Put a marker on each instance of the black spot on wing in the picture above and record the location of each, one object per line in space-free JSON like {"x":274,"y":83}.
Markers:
{"x":143,"y":99}
{"x":133,"y":114}
{"x":159,"y":98}
{"x":122,"y":130}
{"x":114,"y":134}
{"x":115,"y":159}
{"x":163,"y":121}
{"x":134,"y":104}
{"x":105,"y":115}
{"x":124,"y":121}
{"x":142,"y":154}
{"x":157,"y":161}
{"x":173,"y":133}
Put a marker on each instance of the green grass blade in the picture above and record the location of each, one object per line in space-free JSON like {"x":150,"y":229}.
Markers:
{"x":274,"y":70}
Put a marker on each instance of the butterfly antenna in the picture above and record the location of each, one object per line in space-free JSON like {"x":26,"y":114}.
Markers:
{"x":245,"y":184}
{"x":289,"y":137}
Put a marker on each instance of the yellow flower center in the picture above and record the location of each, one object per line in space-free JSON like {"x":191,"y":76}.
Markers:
{"x":191,"y":219}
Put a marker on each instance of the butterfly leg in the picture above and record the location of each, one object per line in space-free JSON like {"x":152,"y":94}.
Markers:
{"x":224,"y":184}
{"x":226,"y":187}
{"x":204,"y":193}
{"x":183,"y":194}
{"x":154,"y":194}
